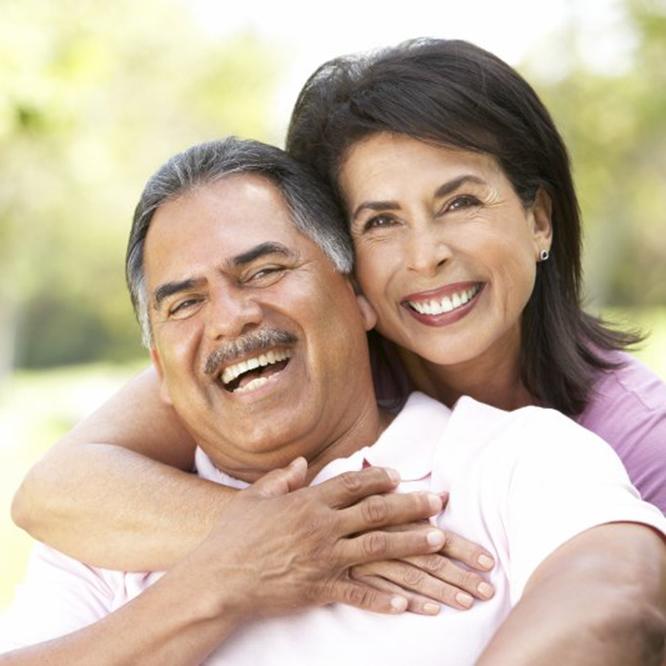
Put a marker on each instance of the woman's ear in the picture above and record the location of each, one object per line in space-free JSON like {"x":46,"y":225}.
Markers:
{"x":541,"y":213}
{"x":157,"y":364}
{"x":367,"y":312}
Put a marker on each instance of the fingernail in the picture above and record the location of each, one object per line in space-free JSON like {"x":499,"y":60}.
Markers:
{"x":393,"y":475}
{"x":485,"y":590}
{"x":434,"y":502}
{"x":464,"y":599}
{"x":486,"y":562}
{"x":398,"y":604}
{"x":435,"y":538}
{"x":431,"y":609}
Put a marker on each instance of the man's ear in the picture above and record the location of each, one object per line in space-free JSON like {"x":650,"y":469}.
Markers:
{"x":541,"y":214}
{"x":157,"y":364}
{"x":368,"y":313}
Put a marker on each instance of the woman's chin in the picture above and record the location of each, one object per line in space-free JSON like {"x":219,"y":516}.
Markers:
{"x":438,"y":349}
{"x":446,"y":357}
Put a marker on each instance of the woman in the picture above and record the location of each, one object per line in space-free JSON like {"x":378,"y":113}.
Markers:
{"x":383,"y":128}
{"x":465,"y":223}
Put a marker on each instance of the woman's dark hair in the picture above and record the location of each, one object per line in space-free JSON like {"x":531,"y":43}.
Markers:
{"x":452,"y":93}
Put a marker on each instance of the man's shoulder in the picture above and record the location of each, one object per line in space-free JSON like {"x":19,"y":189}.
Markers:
{"x":480,"y":420}
{"x":529,"y":436}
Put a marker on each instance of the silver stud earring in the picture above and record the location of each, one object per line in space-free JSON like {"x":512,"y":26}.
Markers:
{"x":543,"y":255}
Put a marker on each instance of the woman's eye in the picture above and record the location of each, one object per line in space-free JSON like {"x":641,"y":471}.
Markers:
{"x":379,"y":222}
{"x":463,"y":201}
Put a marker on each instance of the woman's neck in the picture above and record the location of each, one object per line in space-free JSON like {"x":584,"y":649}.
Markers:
{"x":493,"y":378}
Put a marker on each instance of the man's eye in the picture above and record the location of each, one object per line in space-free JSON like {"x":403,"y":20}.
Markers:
{"x":181,"y":308}
{"x":266,"y":274}
{"x":379,"y":222}
{"x":463,"y":201}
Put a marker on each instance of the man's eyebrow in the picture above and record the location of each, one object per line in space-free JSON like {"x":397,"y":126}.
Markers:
{"x":261,"y":250}
{"x":170,"y":288}
{"x":442,"y":191}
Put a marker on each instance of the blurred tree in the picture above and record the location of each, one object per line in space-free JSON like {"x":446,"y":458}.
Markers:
{"x":615,"y":126}
{"x":95,"y":96}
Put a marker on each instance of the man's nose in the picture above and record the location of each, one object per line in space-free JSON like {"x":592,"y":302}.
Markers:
{"x":231,"y":312}
{"x":427,"y":249}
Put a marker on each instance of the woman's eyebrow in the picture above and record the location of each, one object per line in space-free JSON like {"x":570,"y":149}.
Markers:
{"x":444,"y":189}
{"x":376,"y":206}
{"x":453,"y":185}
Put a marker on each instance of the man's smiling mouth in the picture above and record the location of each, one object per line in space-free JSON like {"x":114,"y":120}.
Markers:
{"x":255,"y":371}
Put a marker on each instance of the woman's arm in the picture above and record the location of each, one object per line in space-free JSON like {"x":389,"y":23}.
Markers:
{"x":598,"y":599}
{"x":187,"y":613}
{"x":92,"y":481}
{"x":82,"y":499}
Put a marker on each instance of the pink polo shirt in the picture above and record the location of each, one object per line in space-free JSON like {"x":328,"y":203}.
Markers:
{"x":521,"y":484}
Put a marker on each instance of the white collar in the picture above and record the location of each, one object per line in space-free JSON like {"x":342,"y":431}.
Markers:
{"x":408,"y":445}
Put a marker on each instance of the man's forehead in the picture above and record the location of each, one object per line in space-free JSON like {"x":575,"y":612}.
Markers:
{"x":238,"y":210}
{"x":231,"y":221}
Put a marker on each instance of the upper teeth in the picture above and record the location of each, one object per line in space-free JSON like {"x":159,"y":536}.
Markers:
{"x":273,"y":356}
{"x":445,"y":304}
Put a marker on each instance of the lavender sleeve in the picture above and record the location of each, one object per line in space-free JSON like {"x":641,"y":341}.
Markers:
{"x":628,"y":410}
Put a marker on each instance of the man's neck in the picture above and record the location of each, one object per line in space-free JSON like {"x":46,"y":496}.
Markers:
{"x":341,"y":430}
{"x":365,"y":431}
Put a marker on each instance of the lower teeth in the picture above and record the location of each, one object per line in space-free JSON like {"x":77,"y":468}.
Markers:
{"x":255,"y":383}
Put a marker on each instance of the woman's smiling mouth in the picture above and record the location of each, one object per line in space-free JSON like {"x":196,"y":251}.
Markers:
{"x":443,"y":306}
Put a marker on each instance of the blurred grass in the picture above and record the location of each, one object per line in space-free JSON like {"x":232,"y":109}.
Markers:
{"x":37,"y":407}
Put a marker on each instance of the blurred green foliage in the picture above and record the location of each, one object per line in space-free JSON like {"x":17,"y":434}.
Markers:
{"x":614,"y":124}
{"x":95,"y":96}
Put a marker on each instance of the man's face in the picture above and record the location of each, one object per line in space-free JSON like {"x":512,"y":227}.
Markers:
{"x":259,"y":342}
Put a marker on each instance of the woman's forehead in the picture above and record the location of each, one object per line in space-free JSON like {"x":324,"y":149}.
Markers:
{"x":384,"y":163}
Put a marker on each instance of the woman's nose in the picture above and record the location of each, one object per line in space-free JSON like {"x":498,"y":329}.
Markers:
{"x":427,"y":251}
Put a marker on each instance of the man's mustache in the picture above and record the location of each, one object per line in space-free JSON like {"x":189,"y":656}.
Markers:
{"x":256,"y":341}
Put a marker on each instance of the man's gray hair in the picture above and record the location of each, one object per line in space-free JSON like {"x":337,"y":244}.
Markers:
{"x":309,"y":201}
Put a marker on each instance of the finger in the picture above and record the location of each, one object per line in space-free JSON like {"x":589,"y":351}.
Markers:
{"x":378,"y":545}
{"x":282,"y":481}
{"x":415,"y":602}
{"x":393,"y":509}
{"x":416,"y":582}
{"x":350,"y":487}
{"x":429,"y":569}
{"x":360,"y":595}
{"x":468,"y":552}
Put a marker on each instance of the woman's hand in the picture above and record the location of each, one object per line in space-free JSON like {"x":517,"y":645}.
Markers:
{"x":450,"y":576}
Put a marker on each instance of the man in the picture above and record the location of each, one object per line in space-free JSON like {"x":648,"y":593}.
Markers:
{"x":259,"y":341}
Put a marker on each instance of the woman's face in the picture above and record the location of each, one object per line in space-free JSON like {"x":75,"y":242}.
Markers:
{"x":446,"y":252}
